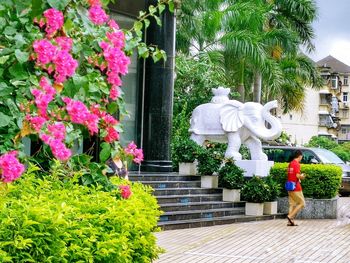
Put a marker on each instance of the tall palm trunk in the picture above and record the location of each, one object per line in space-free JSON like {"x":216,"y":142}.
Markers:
{"x":257,"y":87}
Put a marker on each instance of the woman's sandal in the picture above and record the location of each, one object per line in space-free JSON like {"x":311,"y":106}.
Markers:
{"x":291,"y":222}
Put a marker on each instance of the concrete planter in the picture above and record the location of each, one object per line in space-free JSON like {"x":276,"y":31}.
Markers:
{"x":231,"y":195}
{"x":209,"y":181}
{"x":187,"y":169}
{"x":314,"y":208}
{"x":270,"y":208}
{"x":254,"y":209}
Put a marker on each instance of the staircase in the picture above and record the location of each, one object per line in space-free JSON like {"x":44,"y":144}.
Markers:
{"x":186,"y":205}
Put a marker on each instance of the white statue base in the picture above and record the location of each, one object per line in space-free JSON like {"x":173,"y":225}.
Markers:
{"x":255,"y":167}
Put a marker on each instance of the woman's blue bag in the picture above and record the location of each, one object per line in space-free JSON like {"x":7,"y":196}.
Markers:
{"x":290,"y":186}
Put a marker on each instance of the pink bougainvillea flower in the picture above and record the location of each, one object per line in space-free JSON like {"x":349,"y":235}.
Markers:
{"x":97,"y":15}
{"x":57,"y":131}
{"x":10,"y":167}
{"x":65,"y":43}
{"x":54,"y":21}
{"x":59,"y":150}
{"x":125,"y":191}
{"x":36,"y":122}
{"x":43,"y":97}
{"x":117,"y":38}
{"x":65,"y":65}
{"x":138,"y":156}
{"x":112,"y":135}
{"x":114,"y":93}
{"x":80,"y":114}
{"x":45,"y":51}
{"x":113,"y":25}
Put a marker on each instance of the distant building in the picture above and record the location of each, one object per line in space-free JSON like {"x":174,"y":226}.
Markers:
{"x":326,"y":110}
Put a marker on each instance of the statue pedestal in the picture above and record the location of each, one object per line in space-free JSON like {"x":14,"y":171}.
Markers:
{"x":255,"y":167}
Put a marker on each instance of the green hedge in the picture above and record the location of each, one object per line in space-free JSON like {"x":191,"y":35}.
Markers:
{"x":322,"y":181}
{"x":48,"y":220}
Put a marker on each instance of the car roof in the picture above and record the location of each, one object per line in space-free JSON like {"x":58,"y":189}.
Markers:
{"x":291,"y":147}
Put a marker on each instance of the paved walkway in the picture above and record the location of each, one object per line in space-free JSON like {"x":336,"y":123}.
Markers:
{"x":312,"y":241}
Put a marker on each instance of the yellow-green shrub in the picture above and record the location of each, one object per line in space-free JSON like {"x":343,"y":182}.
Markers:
{"x":322,"y":180}
{"x":48,"y":220}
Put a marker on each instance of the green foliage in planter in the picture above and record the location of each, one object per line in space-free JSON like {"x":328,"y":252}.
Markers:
{"x":255,"y":190}
{"x":231,"y":176}
{"x":209,"y":161}
{"x":322,"y":180}
{"x":274,"y":188}
{"x":50,"y":220}
{"x":186,"y":150}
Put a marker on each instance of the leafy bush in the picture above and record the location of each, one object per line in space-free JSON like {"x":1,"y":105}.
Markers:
{"x":255,"y":190}
{"x":49,"y":220}
{"x":274,"y":189}
{"x":186,"y":151}
{"x":231,"y":176}
{"x":322,"y":180}
{"x":209,"y":161}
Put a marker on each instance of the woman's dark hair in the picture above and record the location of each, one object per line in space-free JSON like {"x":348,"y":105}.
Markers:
{"x":297,"y":153}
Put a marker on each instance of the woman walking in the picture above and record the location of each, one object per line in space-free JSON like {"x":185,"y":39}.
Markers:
{"x":295,"y":196}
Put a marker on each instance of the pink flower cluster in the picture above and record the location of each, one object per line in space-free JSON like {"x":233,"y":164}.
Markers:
{"x":97,"y":15}
{"x":56,"y":59}
{"x":44,"y":96}
{"x":136,"y":153}
{"x":54,"y":21}
{"x":36,"y":122}
{"x":54,"y":138}
{"x":125,"y":191}
{"x":10,"y":167}
{"x":80,"y":114}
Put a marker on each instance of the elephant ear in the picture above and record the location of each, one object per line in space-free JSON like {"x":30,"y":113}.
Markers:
{"x":231,"y":116}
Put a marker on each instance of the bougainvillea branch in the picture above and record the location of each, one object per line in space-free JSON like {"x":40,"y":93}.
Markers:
{"x":60,"y":69}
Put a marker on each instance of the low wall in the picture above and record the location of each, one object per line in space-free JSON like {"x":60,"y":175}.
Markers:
{"x":314,"y":208}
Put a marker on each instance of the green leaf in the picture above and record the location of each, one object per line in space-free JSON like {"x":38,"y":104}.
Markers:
{"x":3,"y":59}
{"x":112,"y":107}
{"x":138,"y":26}
{"x":4,"y":120}
{"x":58,"y":4}
{"x":171,"y":6}
{"x":146,"y":21}
{"x":2,"y":22}
{"x":159,"y":22}
{"x":105,"y":152}
{"x":5,"y":90}
{"x":161,"y":8}
{"x":18,"y":72}
{"x":21,"y":56}
{"x":143,"y":51}
{"x":36,"y":8}
{"x":9,"y":30}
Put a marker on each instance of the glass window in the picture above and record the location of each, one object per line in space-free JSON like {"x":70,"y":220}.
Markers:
{"x":346,"y":80}
{"x":345,"y":96}
{"x":327,"y":156}
{"x":343,"y":130}
{"x":309,"y":157}
{"x":129,"y":88}
{"x":334,"y":82}
{"x":345,"y":113}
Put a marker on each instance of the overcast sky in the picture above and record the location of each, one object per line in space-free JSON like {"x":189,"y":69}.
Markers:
{"x":332,"y":30}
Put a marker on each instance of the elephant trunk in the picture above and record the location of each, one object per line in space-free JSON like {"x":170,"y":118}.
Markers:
{"x":275,"y":125}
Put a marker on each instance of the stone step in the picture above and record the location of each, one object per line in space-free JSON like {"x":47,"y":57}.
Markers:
{"x":195,"y":214}
{"x":168,"y":207}
{"x":189,"y":198}
{"x":172,"y":184}
{"x":171,"y":177}
{"x":186,"y":191}
{"x":203,"y":222}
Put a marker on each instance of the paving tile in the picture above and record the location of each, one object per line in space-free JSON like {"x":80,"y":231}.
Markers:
{"x":269,"y":241}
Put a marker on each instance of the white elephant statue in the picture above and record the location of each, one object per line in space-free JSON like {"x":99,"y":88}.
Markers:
{"x":225,"y":120}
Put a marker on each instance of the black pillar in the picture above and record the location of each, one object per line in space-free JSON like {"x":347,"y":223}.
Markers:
{"x":158,"y":96}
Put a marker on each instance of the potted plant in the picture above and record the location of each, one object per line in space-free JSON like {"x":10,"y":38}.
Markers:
{"x":187,"y":151}
{"x":209,"y":161}
{"x":270,"y":205}
{"x":231,"y":179}
{"x":255,"y":192}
